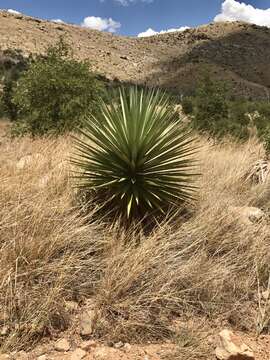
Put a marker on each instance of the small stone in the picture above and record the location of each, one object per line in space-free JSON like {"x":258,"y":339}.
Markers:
{"x":4,"y":357}
{"x":4,"y":330}
{"x":231,"y":347}
{"x":127,"y":346}
{"x":62,"y":345}
{"x":78,"y":354}
{"x":247,"y":215}
{"x":22,"y":355}
{"x":88,"y":345}
{"x":43,"y":350}
{"x":118,"y":345}
{"x":106,"y":353}
{"x":87,"y":322}
{"x":42,"y":357}
{"x":71,"y":305}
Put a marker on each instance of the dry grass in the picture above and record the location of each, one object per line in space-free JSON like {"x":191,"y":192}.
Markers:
{"x":206,"y":266}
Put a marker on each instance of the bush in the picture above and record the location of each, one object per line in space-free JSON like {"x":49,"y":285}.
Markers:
{"x":135,"y":155}
{"x":212,"y":111}
{"x":217,"y":114}
{"x":12,"y":65}
{"x":55,"y":92}
{"x":187,"y":105}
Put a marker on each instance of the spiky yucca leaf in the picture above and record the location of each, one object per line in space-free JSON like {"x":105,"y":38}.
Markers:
{"x":135,"y":155}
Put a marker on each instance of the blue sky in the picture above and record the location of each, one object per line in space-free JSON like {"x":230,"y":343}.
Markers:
{"x":131,"y":17}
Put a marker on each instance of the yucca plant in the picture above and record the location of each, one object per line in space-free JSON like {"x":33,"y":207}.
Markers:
{"x":135,"y":155}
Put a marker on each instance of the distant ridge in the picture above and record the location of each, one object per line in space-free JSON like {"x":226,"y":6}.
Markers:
{"x":236,"y":51}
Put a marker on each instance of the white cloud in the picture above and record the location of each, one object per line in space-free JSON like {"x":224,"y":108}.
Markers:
{"x":102,"y":24}
{"x":151,"y":32}
{"x":58,"y":21}
{"x":233,"y":10}
{"x":11,"y":11}
{"x":128,"y":2}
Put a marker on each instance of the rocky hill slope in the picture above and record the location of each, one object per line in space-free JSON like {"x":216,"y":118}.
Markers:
{"x":237,"y":52}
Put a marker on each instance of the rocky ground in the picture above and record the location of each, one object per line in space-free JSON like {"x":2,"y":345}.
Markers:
{"x":227,"y":346}
{"x":208,"y":344}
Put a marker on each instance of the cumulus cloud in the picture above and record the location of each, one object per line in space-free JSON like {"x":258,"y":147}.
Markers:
{"x":233,"y":10}
{"x":102,"y":24}
{"x":151,"y":32}
{"x":11,"y":11}
{"x":128,"y":2}
{"x":58,"y":21}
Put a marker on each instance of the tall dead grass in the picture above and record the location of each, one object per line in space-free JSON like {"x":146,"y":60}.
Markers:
{"x":207,"y":265}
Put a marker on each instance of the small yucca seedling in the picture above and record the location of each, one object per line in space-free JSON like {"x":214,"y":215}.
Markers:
{"x":135,"y":155}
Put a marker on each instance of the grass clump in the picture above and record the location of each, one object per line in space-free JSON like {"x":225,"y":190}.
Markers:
{"x":207,"y":268}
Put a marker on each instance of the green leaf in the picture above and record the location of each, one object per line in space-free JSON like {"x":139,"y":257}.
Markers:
{"x":135,"y":154}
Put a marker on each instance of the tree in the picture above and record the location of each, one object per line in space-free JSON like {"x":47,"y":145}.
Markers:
{"x":212,"y":111}
{"x":12,"y":65}
{"x":56,"y":91}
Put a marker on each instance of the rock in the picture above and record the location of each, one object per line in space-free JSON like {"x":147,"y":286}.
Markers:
{"x":106,"y":353}
{"x":87,"y":322}
{"x":127,"y":347}
{"x":231,"y":347}
{"x":78,"y":354}
{"x":247,"y":215}
{"x":71,"y":305}
{"x":42,"y":357}
{"x":62,"y":345}
{"x":44,"y":349}
{"x":4,"y":330}
{"x":118,"y":345}
{"x":4,"y":357}
{"x":88,"y":345}
{"x":22,"y":355}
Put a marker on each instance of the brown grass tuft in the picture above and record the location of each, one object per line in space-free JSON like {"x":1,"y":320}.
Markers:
{"x":206,"y":266}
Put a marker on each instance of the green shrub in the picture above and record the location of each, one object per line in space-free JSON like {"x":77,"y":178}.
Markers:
{"x":12,"y":65}
{"x":212,"y":111}
{"x":187,"y":105}
{"x":55,"y":92}
{"x":135,"y":155}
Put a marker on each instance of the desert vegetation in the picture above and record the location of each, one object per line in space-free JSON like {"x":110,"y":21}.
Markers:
{"x":208,"y":265}
{"x":215,"y":111}
{"x":49,"y":93}
{"x":74,"y":164}
{"x":135,"y":154}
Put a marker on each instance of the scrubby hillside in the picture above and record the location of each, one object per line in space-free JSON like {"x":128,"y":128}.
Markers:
{"x":237,"y":52}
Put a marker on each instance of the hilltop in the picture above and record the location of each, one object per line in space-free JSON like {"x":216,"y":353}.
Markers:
{"x":236,"y":51}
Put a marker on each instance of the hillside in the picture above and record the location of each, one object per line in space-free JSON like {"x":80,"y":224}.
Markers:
{"x":238,"y":52}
